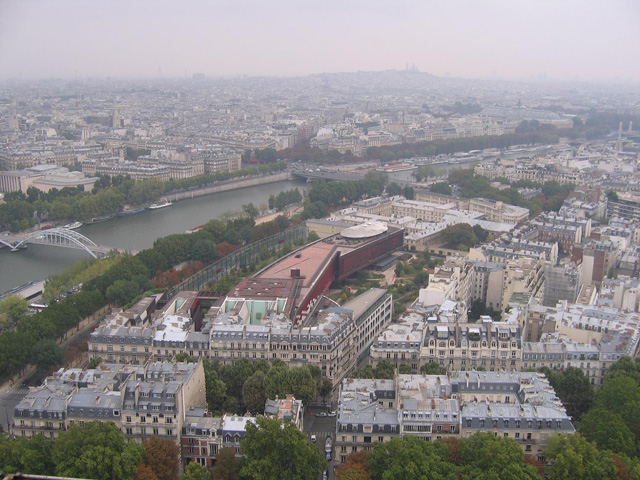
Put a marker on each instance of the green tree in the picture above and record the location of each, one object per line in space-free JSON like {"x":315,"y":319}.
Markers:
{"x":96,"y":450}
{"x":325,"y":388}
{"x":573,"y":388}
{"x":612,"y":196}
{"x":608,"y":431}
{"x":162,"y":455}
{"x":432,"y":368}
{"x":394,"y":189}
{"x":94,"y":362}
{"x":12,"y":308}
{"x":410,"y":457}
{"x":621,"y":395}
{"x":442,"y":187}
{"x":231,"y":405}
{"x":26,"y":455}
{"x":250,"y":210}
{"x":47,"y":354}
{"x":195,"y":471}
{"x":216,"y":390}
{"x":572,"y":457}
{"x":409,"y":192}
{"x":459,"y":237}
{"x":404,"y":369}
{"x":486,"y":456}
{"x":253,"y":393}
{"x":204,"y":250}
{"x":185,"y":357}
{"x":384,"y":369}
{"x":279,"y":452}
{"x":234,"y":376}
{"x":423,"y":171}
{"x":480,"y":233}
{"x":227,"y":466}
{"x":625,"y":367}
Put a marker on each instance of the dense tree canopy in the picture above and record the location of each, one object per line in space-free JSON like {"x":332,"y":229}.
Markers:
{"x":96,"y":450}
{"x":573,"y":388}
{"x":442,"y":187}
{"x":279,"y":452}
{"x":459,"y":237}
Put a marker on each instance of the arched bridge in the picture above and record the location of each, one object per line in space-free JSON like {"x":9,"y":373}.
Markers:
{"x":57,"y":237}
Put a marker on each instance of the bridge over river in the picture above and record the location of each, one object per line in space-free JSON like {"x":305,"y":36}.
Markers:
{"x":55,"y":237}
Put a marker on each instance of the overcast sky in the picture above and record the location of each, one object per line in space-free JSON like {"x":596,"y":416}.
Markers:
{"x":562,"y":39}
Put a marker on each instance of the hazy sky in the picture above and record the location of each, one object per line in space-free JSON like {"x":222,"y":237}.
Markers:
{"x":564,"y":39}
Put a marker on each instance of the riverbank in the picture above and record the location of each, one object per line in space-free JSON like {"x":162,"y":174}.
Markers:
{"x":230,"y":185}
{"x":138,"y":232}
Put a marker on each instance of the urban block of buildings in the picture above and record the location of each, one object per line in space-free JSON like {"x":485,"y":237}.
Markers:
{"x":521,"y":406}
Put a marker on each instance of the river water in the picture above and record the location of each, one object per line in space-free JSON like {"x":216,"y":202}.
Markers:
{"x":135,"y":232}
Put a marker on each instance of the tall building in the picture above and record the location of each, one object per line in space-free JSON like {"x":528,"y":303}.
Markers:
{"x":13,"y":119}
{"x":561,"y":282}
{"x":115,"y":120}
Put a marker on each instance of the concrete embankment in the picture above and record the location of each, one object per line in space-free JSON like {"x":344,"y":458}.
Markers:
{"x":231,"y":185}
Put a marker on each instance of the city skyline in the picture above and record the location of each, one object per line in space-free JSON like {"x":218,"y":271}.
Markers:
{"x":584,"y":41}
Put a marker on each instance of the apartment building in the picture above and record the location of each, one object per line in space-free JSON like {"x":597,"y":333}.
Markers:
{"x":401,"y":342}
{"x":252,"y":328}
{"x":588,"y":337}
{"x":521,"y":406}
{"x":451,"y":280}
{"x":141,"y":400}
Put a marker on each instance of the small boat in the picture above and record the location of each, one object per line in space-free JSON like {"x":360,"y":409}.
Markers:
{"x":73,"y":226}
{"x":156,"y":206}
{"x":101,"y":219}
{"x":126,"y":212}
{"x":195,"y":229}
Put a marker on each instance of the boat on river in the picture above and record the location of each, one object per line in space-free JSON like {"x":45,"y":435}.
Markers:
{"x":195,"y":229}
{"x":156,"y":206}
{"x":73,"y":226}
{"x":126,"y":212}
{"x":100,"y":219}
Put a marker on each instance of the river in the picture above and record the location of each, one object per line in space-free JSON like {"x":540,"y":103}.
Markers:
{"x":135,"y":232}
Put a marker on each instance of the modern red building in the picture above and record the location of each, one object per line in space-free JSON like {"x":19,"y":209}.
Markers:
{"x":304,"y":275}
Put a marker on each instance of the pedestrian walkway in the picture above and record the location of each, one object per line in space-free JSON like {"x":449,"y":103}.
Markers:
{"x":18,"y":390}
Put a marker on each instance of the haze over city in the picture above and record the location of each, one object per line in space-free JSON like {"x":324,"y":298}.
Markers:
{"x":569,"y":40}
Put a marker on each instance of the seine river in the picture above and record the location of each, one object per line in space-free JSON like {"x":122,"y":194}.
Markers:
{"x":135,"y":232}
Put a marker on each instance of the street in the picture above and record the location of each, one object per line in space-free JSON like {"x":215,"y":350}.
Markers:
{"x":8,"y":401}
{"x":321,"y":427}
